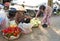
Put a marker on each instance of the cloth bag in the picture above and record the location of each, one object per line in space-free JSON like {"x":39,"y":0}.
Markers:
{"x":26,"y":27}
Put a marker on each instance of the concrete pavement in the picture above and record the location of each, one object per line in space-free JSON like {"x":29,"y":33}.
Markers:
{"x":43,"y":34}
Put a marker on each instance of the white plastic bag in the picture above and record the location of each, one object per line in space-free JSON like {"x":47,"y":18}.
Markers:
{"x":3,"y":19}
{"x":3,"y":24}
{"x":26,"y":27}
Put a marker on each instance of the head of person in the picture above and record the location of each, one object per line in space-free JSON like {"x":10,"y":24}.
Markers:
{"x":20,"y":11}
{"x":12,"y":12}
{"x":42,"y":8}
{"x":6,"y":5}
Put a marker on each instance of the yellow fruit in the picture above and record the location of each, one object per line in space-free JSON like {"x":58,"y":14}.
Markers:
{"x":13,"y":23}
{"x":13,"y":26}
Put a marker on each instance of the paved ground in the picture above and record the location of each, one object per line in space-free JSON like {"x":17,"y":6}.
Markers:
{"x":43,"y":34}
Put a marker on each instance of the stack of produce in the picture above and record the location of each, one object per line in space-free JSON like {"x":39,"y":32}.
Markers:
{"x":35,"y":22}
{"x":12,"y":32}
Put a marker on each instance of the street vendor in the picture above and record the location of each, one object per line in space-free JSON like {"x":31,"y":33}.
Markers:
{"x":47,"y":11}
{"x":17,"y":15}
{"x":20,"y":15}
{"x":21,"y":19}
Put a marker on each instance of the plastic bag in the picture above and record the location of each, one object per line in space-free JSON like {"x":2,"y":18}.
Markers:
{"x":3,"y":24}
{"x":26,"y":27}
{"x":3,"y":20}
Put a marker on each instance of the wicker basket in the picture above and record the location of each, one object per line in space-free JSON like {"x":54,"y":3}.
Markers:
{"x":12,"y":37}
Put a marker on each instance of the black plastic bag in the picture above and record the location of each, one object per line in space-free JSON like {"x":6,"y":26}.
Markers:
{"x":44,"y":25}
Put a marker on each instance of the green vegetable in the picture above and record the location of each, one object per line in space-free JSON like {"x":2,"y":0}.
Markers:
{"x":35,"y":22}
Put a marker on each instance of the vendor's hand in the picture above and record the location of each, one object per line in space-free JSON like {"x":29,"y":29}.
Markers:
{"x":35,"y":17}
{"x":42,"y":22}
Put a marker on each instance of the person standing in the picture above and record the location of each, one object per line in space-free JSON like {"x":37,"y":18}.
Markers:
{"x":47,"y":11}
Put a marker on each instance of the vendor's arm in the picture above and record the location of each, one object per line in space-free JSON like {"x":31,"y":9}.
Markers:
{"x":38,"y":13}
{"x":45,"y":15}
{"x":28,"y":17}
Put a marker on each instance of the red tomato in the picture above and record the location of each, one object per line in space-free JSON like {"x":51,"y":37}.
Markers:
{"x":15,"y":34}
{"x":5,"y":31}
